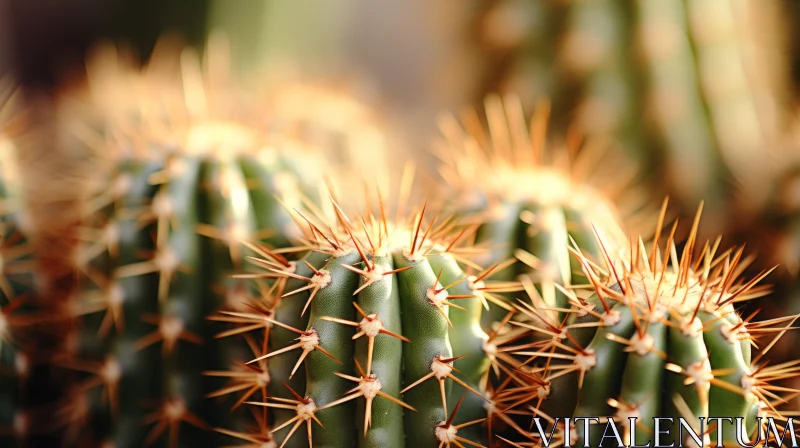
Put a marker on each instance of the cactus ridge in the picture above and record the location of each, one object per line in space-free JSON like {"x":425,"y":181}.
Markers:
{"x":380,"y":318}
{"x":657,"y":335}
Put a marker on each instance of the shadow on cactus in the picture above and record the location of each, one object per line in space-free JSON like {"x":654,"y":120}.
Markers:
{"x":657,"y":335}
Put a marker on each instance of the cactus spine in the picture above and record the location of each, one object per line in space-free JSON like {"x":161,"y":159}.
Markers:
{"x":379,"y":319}
{"x":659,"y":337}
{"x":18,"y":287}
{"x":194,"y":170}
{"x":530,"y":198}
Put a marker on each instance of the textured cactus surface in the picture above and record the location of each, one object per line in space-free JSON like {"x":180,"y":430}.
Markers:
{"x":531,"y":198}
{"x":374,"y":335}
{"x":659,"y":337}
{"x":13,"y":359}
{"x":157,"y":268}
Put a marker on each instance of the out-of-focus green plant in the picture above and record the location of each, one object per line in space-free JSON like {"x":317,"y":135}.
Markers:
{"x":694,"y":90}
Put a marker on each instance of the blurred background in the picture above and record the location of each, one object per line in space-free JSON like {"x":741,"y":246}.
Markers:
{"x":701,"y":94}
{"x":424,"y":57}
{"x":698,"y":92}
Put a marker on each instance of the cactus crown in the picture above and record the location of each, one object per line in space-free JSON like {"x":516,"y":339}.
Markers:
{"x":512,"y":160}
{"x":665,"y":282}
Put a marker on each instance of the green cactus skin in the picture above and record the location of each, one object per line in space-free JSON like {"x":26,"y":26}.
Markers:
{"x":387,"y":314}
{"x":658,"y":338}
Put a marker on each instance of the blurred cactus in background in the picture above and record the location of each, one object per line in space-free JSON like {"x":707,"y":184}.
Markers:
{"x":694,"y":91}
{"x":30,"y":333}
{"x":305,"y":33}
{"x":189,"y":162}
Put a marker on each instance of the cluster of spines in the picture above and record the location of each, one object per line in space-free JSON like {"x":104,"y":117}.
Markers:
{"x":530,"y":197}
{"x":17,"y":320}
{"x":655,"y":320}
{"x":335,"y":333}
{"x":157,"y":265}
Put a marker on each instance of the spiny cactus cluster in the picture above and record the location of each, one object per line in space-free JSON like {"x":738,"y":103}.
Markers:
{"x":548,"y":358}
{"x":379,"y":319}
{"x":658,"y":337}
{"x":530,"y":196}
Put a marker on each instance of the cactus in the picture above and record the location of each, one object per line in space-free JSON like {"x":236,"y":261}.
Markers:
{"x":152,"y":277}
{"x":194,"y":169}
{"x":659,"y":337}
{"x":305,"y":132}
{"x":374,"y":335}
{"x":529,"y":198}
{"x":647,"y":75}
